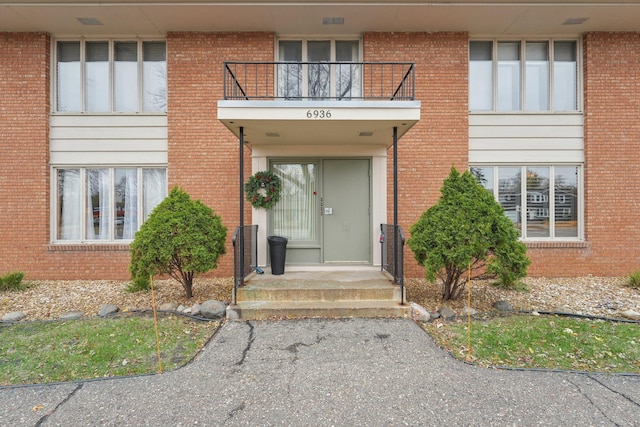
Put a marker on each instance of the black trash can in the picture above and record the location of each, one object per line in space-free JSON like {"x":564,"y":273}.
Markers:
{"x":278,"y":253}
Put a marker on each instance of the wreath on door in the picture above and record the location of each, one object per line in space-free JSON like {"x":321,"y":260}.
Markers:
{"x":263,"y":189}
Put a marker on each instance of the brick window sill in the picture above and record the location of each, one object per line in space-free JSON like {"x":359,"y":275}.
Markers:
{"x":557,"y":245}
{"x":79,"y":247}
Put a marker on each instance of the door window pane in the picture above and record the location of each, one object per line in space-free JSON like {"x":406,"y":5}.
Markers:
{"x":126,"y":203}
{"x":97,"y":204}
{"x":295,"y":216}
{"x":509,"y":76}
{"x":125,"y":76}
{"x":480,"y":76}
{"x":537,"y":77}
{"x":69,"y":206}
{"x":68,"y":75}
{"x":154,"y":76}
{"x":510,"y":194}
{"x":318,"y":51}
{"x":565,"y":76}
{"x":538,"y":202}
{"x":97,"y":77}
{"x":566,"y":201}
{"x":290,"y":75}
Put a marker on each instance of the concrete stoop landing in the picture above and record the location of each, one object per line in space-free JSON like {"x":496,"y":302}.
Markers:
{"x":320,"y":293}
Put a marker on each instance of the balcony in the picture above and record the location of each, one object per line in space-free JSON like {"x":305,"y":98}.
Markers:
{"x":318,"y":102}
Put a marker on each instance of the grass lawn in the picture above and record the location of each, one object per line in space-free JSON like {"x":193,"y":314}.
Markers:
{"x":548,"y":342}
{"x":43,"y":352}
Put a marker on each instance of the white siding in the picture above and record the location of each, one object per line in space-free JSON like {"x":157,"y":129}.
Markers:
{"x":526,"y":138}
{"x":108,"y":140}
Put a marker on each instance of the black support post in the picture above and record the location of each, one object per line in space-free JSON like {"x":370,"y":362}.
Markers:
{"x":395,"y":201}
{"x":241,"y":237}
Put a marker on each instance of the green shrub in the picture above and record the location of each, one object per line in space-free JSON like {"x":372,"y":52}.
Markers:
{"x":467,"y":229}
{"x":12,"y":281}
{"x":633,"y":280}
{"x":180,"y":238}
{"x":139,"y":284}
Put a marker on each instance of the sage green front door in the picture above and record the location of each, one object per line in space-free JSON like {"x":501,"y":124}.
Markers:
{"x":345,"y":211}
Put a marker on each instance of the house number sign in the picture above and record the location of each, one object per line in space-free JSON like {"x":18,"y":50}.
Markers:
{"x":318,"y":114}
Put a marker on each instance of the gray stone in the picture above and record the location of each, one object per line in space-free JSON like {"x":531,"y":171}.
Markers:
{"x":181,"y":308}
{"x":563,"y":309}
{"x":434,"y":314}
{"x":469,"y":311}
{"x":630,"y":314}
{"x":502,"y":306}
{"x":71,"y":315}
{"x":168,"y":306}
{"x":212,"y":309}
{"x":108,"y":309}
{"x":419,"y":313}
{"x":446,"y":312}
{"x":14,"y":316}
{"x":195,"y":310}
{"x":233,"y":312}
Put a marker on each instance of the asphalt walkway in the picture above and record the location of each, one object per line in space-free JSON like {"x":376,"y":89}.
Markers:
{"x":366,"y":372}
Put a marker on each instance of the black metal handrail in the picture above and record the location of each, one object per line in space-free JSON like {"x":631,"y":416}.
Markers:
{"x":392,"y":241}
{"x":245,"y":256}
{"x":390,"y":81}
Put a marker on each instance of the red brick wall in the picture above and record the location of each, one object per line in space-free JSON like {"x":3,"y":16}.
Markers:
{"x":440,"y":139}
{"x":203,"y":154}
{"x":24,"y":151}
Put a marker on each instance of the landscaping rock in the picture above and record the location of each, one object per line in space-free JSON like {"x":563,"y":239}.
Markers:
{"x":446,"y":312}
{"x":630,"y":314}
{"x":468,"y":311}
{"x":181,"y":308}
{"x":168,"y":306}
{"x":563,"y":309}
{"x":213,"y":309}
{"x":14,"y":316}
{"x":195,"y":310}
{"x":233,"y":313}
{"x":108,"y":309}
{"x":434,"y":314}
{"x":71,"y":315}
{"x":419,"y":313}
{"x":502,"y":306}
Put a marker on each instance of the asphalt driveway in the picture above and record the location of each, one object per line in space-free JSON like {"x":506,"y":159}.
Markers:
{"x":372,"y":372}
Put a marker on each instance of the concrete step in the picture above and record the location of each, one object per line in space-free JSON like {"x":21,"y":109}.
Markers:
{"x":317,"y":290}
{"x":261,"y":310}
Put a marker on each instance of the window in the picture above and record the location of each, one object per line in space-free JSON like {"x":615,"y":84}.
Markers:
{"x":319,"y":69}
{"x":544,"y":205}
{"x":523,"y":75}
{"x":295,"y":216}
{"x":105,"y":204}
{"x":111,"y":76}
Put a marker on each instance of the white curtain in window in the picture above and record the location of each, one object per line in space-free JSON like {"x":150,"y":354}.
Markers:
{"x":126,"y":203}
{"x":295,"y":216}
{"x":97,"y":204}
{"x":69,"y":204}
{"x":154,"y":189}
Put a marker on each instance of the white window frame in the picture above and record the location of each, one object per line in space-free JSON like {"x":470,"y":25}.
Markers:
{"x":83,"y":197}
{"x":111,"y":41}
{"x":523,"y":66}
{"x":526,"y":211}
{"x":305,"y":69}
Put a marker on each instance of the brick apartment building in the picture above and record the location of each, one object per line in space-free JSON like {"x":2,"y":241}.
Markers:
{"x":105,"y":106}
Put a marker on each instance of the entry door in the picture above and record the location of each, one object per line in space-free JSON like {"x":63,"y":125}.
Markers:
{"x":345,"y":211}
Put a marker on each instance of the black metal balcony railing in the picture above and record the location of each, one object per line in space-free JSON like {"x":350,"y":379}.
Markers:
{"x":389,"y":81}
{"x":392,"y":241}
